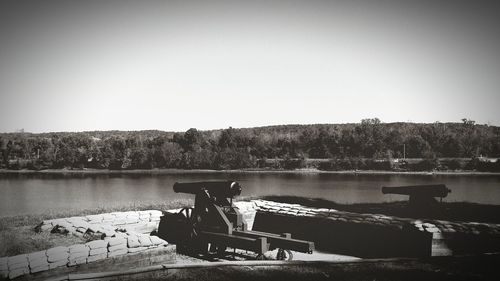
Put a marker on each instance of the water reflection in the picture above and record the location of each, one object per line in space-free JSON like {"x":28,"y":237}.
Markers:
{"x":24,"y":194}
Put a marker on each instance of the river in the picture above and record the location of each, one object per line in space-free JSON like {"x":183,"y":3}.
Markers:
{"x":38,"y":193}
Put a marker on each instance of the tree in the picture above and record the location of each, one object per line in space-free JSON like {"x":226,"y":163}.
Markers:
{"x":227,"y":139}
{"x":172,"y":154}
{"x":416,"y":147}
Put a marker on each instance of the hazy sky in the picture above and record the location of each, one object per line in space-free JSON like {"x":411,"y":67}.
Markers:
{"x":173,"y":65}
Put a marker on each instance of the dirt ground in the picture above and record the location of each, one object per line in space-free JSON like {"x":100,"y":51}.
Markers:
{"x":481,"y":267}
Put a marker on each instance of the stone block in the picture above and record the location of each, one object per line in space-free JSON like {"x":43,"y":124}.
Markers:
{"x":37,"y":255}
{"x":157,"y":240}
{"x":144,"y":217}
{"x":120,"y":221}
{"x":133,"y":242}
{"x":145,"y":228}
{"x":18,"y":272}
{"x":117,"y":247}
{"x":136,"y":250}
{"x":18,"y":266}
{"x":155,"y":213}
{"x":96,"y":244}
{"x":130,"y":220}
{"x":16,"y":262}
{"x":117,"y":241}
{"x":57,"y":254}
{"x":73,"y":262}
{"x":145,"y":240}
{"x":135,"y":227}
{"x":133,"y":214}
{"x":57,"y":264}
{"x":118,"y":253}
{"x":77,"y":255}
{"x":122,"y":235}
{"x":94,"y":218}
{"x":56,"y":250}
{"x":98,"y":251}
{"x":75,"y":221}
{"x":97,"y":257}
{"x":78,"y":248}
{"x":39,"y":268}
{"x":38,"y":261}
{"x":154,"y":219}
{"x":107,"y":218}
{"x":118,"y":215}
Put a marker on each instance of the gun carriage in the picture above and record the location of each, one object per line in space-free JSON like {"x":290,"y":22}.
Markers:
{"x":215,"y":223}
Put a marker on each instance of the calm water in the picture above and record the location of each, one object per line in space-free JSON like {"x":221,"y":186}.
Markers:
{"x":25,"y":194}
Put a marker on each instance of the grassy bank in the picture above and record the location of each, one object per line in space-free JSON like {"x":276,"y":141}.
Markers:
{"x":254,"y":170}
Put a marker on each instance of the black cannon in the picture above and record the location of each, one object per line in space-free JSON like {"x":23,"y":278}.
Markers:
{"x":215,"y":223}
{"x":421,"y":196}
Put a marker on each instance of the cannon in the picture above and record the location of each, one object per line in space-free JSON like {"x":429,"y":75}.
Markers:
{"x":215,"y":223}
{"x":420,"y":195}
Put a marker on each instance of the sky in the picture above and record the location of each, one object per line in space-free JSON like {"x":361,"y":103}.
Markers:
{"x":175,"y":65}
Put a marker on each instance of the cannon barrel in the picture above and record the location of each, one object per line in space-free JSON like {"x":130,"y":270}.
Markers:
{"x":227,"y":189}
{"x":434,"y":190}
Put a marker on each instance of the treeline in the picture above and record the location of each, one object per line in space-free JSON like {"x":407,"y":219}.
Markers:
{"x":361,"y":145}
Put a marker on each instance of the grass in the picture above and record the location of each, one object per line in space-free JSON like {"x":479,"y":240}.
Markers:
{"x":18,"y":235}
{"x":23,"y":239}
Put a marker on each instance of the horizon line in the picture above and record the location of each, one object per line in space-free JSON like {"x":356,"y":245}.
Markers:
{"x":21,"y":131}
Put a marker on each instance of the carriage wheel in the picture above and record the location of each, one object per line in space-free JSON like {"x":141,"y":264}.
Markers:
{"x":260,"y":257}
{"x":284,"y":255}
{"x":216,"y":249}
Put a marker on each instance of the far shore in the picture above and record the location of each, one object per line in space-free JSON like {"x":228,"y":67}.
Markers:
{"x":249,"y":171}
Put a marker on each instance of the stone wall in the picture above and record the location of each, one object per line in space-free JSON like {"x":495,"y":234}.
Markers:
{"x":107,"y":224}
{"x":121,"y":233}
{"x":448,"y":237}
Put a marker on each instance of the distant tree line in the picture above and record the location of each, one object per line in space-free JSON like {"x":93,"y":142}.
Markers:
{"x":369,"y":144}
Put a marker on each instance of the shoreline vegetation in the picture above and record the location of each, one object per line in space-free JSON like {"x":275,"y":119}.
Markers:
{"x":366,"y":146}
{"x":237,"y":171}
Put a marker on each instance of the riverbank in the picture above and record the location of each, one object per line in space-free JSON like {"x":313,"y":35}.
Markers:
{"x":238,"y":171}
